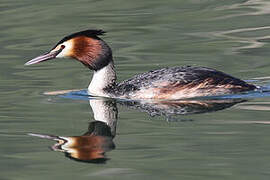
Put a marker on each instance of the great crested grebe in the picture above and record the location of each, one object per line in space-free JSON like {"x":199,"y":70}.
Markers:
{"x":166,"y":83}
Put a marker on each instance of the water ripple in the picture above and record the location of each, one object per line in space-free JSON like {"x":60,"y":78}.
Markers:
{"x":260,"y":7}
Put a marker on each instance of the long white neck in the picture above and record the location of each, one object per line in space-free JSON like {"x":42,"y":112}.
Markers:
{"x":102,"y":79}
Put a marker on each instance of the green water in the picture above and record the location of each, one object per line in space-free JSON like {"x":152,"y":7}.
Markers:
{"x":232,"y":36}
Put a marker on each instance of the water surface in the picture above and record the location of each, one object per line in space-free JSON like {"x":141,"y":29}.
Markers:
{"x":232,"y":36}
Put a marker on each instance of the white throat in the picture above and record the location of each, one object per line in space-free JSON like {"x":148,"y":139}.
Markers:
{"x":102,"y":79}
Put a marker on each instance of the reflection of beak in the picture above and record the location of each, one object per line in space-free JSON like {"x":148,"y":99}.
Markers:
{"x":44,"y":57}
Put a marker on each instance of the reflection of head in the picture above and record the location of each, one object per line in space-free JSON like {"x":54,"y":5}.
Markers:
{"x":90,"y":147}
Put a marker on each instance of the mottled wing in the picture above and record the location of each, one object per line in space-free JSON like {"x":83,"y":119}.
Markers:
{"x":182,"y":82}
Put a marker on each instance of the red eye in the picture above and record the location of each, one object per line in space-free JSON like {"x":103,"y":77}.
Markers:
{"x":63,"y":46}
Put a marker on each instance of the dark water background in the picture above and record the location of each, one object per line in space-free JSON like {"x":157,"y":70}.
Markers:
{"x":232,"y":36}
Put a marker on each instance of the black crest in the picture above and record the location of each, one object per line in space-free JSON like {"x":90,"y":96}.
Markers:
{"x":93,"y":33}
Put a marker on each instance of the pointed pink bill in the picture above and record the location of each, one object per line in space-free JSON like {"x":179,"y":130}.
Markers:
{"x":44,"y":57}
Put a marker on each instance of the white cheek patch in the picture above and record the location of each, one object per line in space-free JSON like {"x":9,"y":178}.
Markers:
{"x":67,"y":50}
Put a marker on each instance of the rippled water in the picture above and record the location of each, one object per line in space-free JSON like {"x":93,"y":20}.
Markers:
{"x":227,"y":143}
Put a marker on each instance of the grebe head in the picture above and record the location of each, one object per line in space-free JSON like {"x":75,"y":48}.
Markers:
{"x":84,"y":46}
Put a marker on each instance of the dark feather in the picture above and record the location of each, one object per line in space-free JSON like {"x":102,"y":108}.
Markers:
{"x":93,"y":33}
{"x":180,"y":76}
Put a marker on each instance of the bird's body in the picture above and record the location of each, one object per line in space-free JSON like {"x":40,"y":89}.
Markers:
{"x":165,"y":83}
{"x":178,"y":83}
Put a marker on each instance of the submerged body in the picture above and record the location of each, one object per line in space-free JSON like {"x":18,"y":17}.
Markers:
{"x":165,"y":83}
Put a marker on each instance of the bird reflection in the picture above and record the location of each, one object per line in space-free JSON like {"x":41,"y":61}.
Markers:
{"x":93,"y":144}
{"x":169,"y":109}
